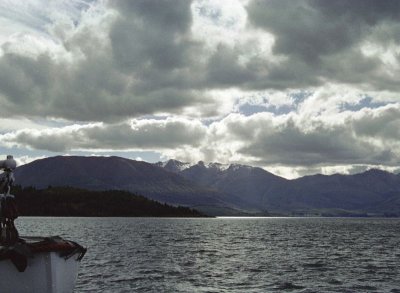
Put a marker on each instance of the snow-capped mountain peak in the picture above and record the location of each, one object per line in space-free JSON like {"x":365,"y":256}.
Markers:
{"x":178,"y":166}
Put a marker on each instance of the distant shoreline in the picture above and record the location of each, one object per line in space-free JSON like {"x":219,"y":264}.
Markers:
{"x":208,"y":217}
{"x":75,"y":202}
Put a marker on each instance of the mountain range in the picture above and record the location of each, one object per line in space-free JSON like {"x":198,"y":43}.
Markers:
{"x":219,"y":189}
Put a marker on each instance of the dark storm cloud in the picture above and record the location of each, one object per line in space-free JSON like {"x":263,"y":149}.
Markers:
{"x":368,"y":11}
{"x":143,"y":58}
{"x":223,"y":69}
{"x":317,"y":42}
{"x":314,"y":28}
{"x":172,"y":15}
{"x":324,"y":37}
{"x":119,"y":61}
{"x":140,"y":66}
{"x":152,"y":33}
{"x":91,"y":91}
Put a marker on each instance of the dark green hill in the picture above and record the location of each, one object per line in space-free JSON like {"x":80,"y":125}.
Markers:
{"x":66,"y":201}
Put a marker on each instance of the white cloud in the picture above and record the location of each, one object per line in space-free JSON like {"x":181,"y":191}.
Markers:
{"x":10,"y":124}
{"x":295,"y":144}
{"x":289,"y":145}
{"x":326,"y":143}
{"x":133,"y":135}
{"x":239,"y":81}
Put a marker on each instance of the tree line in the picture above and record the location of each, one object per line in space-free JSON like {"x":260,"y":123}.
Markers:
{"x":74,"y":202}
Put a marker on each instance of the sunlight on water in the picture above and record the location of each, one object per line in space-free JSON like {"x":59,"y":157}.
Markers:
{"x":251,"y":218}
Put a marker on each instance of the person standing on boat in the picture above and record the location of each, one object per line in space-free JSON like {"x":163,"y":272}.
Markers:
{"x":8,"y":208}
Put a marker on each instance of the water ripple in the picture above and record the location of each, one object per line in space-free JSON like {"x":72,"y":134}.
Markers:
{"x":231,"y":255}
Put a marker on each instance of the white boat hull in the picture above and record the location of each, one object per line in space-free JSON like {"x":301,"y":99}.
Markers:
{"x":46,"y":272}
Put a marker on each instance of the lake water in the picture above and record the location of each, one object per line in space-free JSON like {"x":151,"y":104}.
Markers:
{"x":231,"y":255}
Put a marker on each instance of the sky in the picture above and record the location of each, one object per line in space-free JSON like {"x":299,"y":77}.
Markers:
{"x":295,"y":87}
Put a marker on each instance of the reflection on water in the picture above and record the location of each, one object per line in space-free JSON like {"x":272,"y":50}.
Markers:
{"x":231,"y":255}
